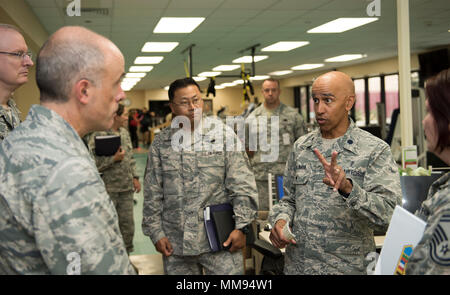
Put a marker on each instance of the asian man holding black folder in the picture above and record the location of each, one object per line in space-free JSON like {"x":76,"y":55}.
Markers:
{"x":181,"y":181}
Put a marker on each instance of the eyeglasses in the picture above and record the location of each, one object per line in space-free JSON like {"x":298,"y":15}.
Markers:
{"x":19,"y":54}
{"x":196,"y":102}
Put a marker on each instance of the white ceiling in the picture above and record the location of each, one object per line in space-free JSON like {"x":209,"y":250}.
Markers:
{"x":233,"y":25}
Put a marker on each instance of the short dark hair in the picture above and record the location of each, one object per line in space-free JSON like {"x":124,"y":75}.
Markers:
{"x":437,"y":90}
{"x":272,"y":80}
{"x":181,"y":83}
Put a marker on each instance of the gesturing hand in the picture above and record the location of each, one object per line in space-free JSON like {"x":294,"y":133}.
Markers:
{"x":335,"y":175}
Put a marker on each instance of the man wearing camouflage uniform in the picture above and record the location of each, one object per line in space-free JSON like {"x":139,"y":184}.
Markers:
{"x":55,"y":214}
{"x":291,"y":126}
{"x":182,"y":179}
{"x":333,"y":210}
{"x":15,"y":61}
{"x":119,"y":174}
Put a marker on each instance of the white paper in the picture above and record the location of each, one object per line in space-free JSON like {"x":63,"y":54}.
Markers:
{"x":404,"y":232}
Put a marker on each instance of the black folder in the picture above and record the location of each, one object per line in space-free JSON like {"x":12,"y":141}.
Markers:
{"x":219,"y":223}
{"x":107,"y":145}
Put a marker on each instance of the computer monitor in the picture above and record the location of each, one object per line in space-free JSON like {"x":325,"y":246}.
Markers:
{"x":415,"y":190}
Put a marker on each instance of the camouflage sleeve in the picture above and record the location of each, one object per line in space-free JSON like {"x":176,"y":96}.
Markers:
{"x":102,"y":162}
{"x":153,"y":194}
{"x":285,"y":209}
{"x":432,"y":255}
{"x":241,"y":187}
{"x":127,"y":142}
{"x":381,"y":191}
{"x":76,"y":218}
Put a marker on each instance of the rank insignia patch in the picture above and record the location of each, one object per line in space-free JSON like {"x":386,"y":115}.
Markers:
{"x":439,"y":245}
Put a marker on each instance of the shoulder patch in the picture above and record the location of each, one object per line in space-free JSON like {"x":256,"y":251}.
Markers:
{"x":439,"y":244}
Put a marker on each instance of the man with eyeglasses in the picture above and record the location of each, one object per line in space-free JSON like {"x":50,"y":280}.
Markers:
{"x":15,"y":61}
{"x":186,"y":174}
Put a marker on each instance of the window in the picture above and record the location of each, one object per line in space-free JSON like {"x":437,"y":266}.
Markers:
{"x":392,"y":100}
{"x":374,"y":98}
{"x":360,"y":114}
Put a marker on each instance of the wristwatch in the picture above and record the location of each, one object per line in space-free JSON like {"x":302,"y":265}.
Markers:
{"x":245,"y":230}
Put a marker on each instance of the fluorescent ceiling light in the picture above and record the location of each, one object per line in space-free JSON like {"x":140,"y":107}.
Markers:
{"x":248,"y":59}
{"x":343,"y":24}
{"x":226,"y":67}
{"x":140,"y":69}
{"x":261,"y":77}
{"x":307,"y":66}
{"x":135,"y":75}
{"x":345,"y":57}
{"x":229,"y":84}
{"x":159,"y":46}
{"x":131,"y":80}
{"x":198,"y":79}
{"x":209,"y":74}
{"x":178,"y":24}
{"x":166,"y":88}
{"x":219,"y":87}
{"x":285,"y":45}
{"x":280,"y":73}
{"x":145,"y":60}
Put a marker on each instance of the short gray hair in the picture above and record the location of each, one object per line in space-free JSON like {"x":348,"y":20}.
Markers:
{"x":60,"y":65}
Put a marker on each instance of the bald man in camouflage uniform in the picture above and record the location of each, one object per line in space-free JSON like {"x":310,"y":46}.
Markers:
{"x":119,"y":174}
{"x":333,"y":209}
{"x":291,"y":127}
{"x":55,"y":214}
{"x":181,"y":181}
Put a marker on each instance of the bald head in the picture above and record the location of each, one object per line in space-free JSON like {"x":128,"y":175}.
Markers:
{"x":334,"y":95}
{"x":338,"y":80}
{"x":71,"y":54}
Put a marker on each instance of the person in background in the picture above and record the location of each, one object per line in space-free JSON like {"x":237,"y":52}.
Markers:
{"x":15,"y":62}
{"x":341,"y":183}
{"x":145,"y":124}
{"x":55,"y":214}
{"x":133,"y":124}
{"x":180,"y":182}
{"x":119,"y":174}
{"x":432,"y":254}
{"x":291,"y":127}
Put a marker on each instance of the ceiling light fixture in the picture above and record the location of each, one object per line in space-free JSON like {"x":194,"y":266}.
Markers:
{"x":178,"y":24}
{"x":248,"y":59}
{"x":280,"y":73}
{"x":304,"y":67}
{"x":342,"y":24}
{"x":140,"y":69}
{"x":226,"y":67}
{"x":159,"y":46}
{"x":285,"y":45}
{"x":148,"y":60}
{"x":209,"y":74}
{"x":135,"y":75}
{"x":345,"y":57}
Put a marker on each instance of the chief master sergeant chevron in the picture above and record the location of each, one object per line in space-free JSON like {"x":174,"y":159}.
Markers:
{"x":55,"y":214}
{"x":333,"y":209}
{"x":180,"y":182}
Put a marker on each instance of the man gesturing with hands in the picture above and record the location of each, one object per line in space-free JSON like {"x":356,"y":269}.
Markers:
{"x":340,"y":184}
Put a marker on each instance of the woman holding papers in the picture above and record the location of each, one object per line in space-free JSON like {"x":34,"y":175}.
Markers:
{"x":432,"y":254}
